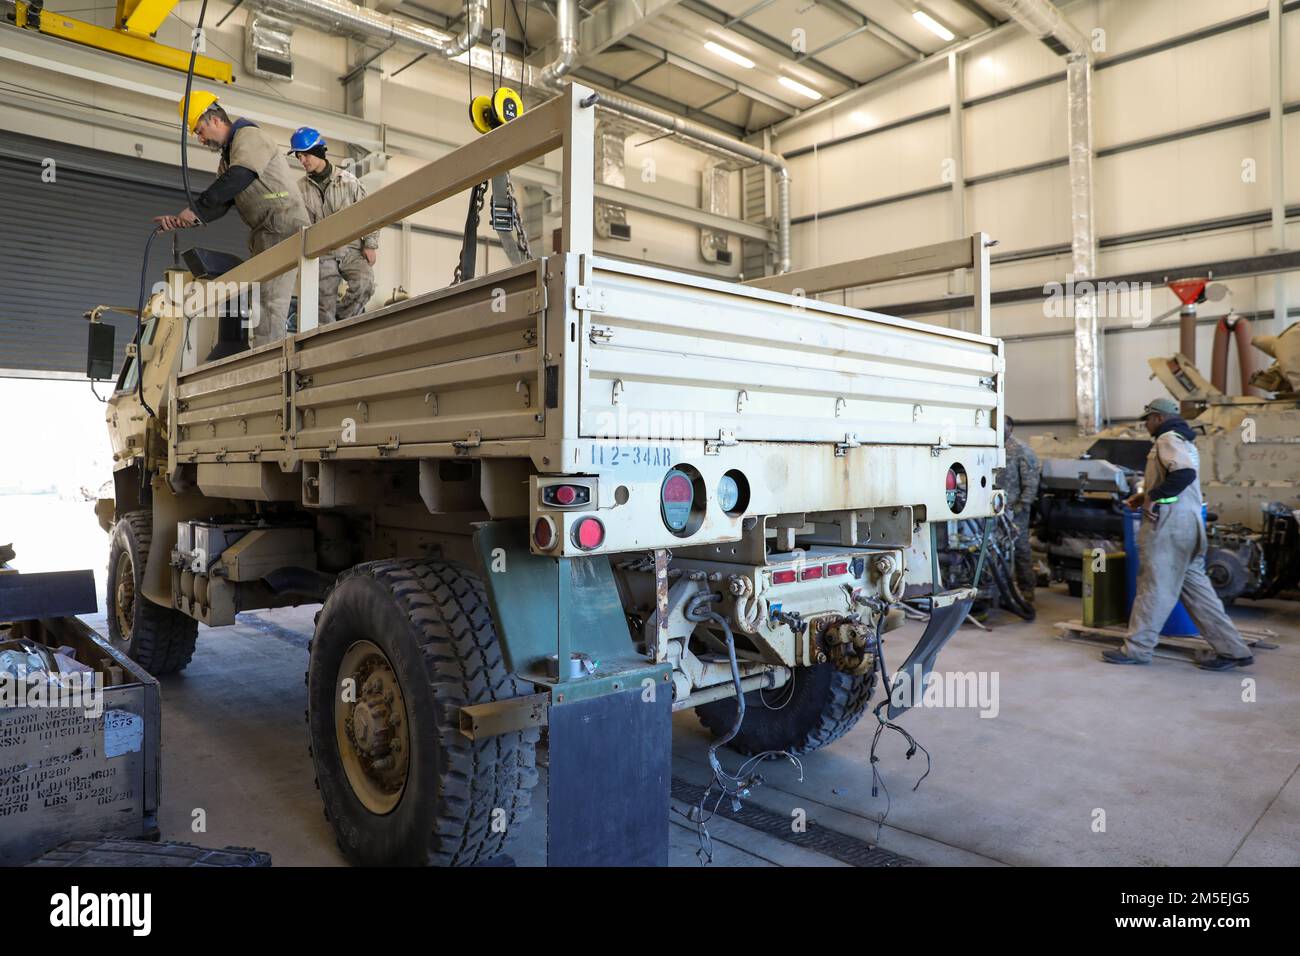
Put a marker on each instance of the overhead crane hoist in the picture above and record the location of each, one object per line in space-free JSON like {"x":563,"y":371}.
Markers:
{"x":486,"y":113}
{"x":135,"y":22}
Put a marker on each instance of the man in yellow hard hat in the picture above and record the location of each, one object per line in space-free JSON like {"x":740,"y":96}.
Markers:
{"x":254,"y":177}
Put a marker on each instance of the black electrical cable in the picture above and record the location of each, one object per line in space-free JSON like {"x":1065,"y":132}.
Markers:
{"x":189,"y":199}
{"x":139,"y":322}
{"x":877,"y":779}
{"x":185,"y":108}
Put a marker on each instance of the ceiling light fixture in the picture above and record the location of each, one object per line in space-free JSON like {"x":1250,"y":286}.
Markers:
{"x":728,"y":54}
{"x":799,"y":88}
{"x":933,"y":25}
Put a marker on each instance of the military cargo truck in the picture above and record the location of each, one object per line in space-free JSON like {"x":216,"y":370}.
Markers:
{"x":566,"y":479}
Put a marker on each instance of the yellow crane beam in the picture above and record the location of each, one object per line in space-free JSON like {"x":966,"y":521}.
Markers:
{"x":124,"y":42}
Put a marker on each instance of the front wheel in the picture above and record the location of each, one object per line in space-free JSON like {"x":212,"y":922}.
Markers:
{"x":160,"y":639}
{"x":819,"y":706}
{"x":400,"y":647}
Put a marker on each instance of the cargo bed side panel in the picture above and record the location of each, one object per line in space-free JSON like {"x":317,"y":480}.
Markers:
{"x":671,"y":356}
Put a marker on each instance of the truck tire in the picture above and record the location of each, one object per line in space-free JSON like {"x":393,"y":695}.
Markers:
{"x":159,"y":639}
{"x":401,"y":784}
{"x":821,"y":707}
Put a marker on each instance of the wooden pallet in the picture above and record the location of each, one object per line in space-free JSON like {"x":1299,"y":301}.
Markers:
{"x":1174,"y":648}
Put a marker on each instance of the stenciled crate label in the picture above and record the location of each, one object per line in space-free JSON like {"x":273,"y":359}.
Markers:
{"x":123,"y":733}
{"x":57,"y":781}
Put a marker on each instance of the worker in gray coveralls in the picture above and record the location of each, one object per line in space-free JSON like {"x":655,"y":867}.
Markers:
{"x":1172,"y":545}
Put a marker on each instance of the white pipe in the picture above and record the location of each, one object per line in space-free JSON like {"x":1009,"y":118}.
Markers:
{"x":566,"y":38}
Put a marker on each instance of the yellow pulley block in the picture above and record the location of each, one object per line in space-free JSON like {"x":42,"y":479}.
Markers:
{"x":486,"y":113}
{"x":479,"y":108}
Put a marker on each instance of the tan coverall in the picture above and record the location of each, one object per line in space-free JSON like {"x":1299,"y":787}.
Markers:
{"x":340,"y":189}
{"x":1173,"y":560}
{"x":273,"y":211}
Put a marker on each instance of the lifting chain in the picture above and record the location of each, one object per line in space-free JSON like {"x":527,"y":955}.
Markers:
{"x":471,"y":231}
{"x":509,"y":221}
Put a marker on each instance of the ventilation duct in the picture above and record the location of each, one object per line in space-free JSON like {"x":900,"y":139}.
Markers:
{"x":344,"y":18}
{"x":611,"y":163}
{"x":267,"y":51}
{"x":715,"y":196}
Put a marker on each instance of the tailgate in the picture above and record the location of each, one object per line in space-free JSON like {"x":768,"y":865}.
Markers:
{"x":674,"y":356}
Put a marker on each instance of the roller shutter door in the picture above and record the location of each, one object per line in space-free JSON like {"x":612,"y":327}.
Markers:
{"x":69,"y":245}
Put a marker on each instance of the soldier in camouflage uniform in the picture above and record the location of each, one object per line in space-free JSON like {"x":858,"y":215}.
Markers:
{"x":325,"y":190}
{"x":1020,"y":481}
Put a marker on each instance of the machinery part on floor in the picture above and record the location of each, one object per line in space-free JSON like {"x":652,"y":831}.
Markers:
{"x":1255,"y":564}
{"x":1080,"y":511}
{"x":160,"y":639}
{"x":135,"y":23}
{"x":399,"y":647}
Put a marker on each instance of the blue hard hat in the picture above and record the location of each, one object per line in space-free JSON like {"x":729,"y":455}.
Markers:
{"x":304,"y":138}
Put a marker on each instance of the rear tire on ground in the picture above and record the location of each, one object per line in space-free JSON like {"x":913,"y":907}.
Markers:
{"x":821,"y":707}
{"x":418,"y":642}
{"x":160,"y":639}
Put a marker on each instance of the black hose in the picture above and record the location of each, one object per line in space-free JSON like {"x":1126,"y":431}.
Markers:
{"x":185,"y":108}
{"x":696,"y":611}
{"x":139,"y":323}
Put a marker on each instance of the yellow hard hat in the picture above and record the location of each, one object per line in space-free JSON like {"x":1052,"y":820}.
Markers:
{"x":200,"y":102}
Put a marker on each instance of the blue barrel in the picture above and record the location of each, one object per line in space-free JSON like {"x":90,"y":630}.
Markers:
{"x":1180,"y":622}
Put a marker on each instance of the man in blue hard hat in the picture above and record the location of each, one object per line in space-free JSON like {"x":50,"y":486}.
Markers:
{"x":325,"y":190}
{"x":1172,"y":546}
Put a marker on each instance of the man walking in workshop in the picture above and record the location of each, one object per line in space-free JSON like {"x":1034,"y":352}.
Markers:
{"x":254,"y":178}
{"x":325,"y":190}
{"x":1172,"y":546}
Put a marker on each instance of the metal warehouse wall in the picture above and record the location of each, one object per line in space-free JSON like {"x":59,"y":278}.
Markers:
{"x":1176,"y":117}
{"x":76,"y":242}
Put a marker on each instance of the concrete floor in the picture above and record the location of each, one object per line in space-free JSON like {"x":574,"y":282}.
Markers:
{"x":1185,"y":770}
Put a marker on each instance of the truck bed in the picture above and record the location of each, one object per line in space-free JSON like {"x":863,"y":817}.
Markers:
{"x":607,"y":350}
{"x":585,"y":365}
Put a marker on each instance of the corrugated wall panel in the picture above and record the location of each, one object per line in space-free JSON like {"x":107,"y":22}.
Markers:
{"x":70,"y":244}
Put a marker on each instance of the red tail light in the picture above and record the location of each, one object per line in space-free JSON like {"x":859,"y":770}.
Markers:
{"x":782,"y":577}
{"x":812,"y":573}
{"x":589,"y":534}
{"x":544,"y":534}
{"x":836,"y":569}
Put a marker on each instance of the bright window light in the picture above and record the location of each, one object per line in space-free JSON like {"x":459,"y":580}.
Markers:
{"x":799,"y":88}
{"x":728,"y":54}
{"x":933,"y":25}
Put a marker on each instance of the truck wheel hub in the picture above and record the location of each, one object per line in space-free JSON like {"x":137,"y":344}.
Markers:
{"x":371,"y":729}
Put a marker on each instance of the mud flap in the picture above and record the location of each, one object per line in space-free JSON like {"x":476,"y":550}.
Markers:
{"x":908,"y":683}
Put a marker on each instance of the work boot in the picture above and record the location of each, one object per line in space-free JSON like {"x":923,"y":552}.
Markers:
{"x":1220,"y":663}
{"x":1119,"y":657}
